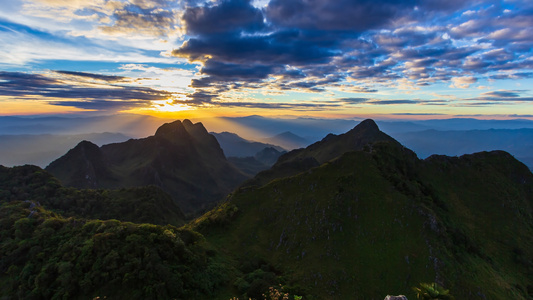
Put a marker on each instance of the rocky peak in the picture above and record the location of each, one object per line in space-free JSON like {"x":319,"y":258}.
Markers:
{"x":197,"y":130}
{"x":172,"y":130}
{"x":87,"y":150}
{"x":367,"y":126}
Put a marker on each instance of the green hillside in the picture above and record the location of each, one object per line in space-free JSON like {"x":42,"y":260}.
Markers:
{"x":379,"y":221}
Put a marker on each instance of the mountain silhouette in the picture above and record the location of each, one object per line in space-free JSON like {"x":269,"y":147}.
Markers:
{"x":182,"y":158}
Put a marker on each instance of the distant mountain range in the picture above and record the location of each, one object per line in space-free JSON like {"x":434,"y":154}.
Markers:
{"x":518,"y":142}
{"x":41,"y":149}
{"x":236,"y":146}
{"x":288,"y":140}
{"x":182,"y":158}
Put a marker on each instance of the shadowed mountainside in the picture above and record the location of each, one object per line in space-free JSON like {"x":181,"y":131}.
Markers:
{"x":182,"y":158}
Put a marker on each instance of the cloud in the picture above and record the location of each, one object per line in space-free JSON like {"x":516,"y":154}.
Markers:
{"x":23,"y":45}
{"x":102,"y":105}
{"x":25,"y":86}
{"x":462,"y":82}
{"x":106,"y":78}
{"x":502,"y":96}
{"x":141,"y":17}
{"x":353,"y":100}
{"x":227,"y":17}
{"x":309,"y":46}
{"x":393,"y":102}
{"x":417,"y":114}
{"x":206,"y":100}
{"x":340,"y":15}
{"x":296,"y":44}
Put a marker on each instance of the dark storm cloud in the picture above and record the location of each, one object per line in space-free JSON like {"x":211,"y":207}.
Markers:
{"x":39,"y":87}
{"x":236,"y":71}
{"x":228,"y":16}
{"x":286,"y":47}
{"x":340,"y":15}
{"x":297,"y":44}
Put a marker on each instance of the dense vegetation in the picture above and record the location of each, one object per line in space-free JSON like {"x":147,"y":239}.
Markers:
{"x":46,"y":256}
{"x":142,"y":204}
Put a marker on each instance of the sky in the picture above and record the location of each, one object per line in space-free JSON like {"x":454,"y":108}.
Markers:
{"x":416,"y":59}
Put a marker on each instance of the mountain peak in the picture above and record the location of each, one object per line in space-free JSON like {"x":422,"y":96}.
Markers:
{"x":367,"y":124}
{"x":195,"y":129}
{"x":171,"y":130}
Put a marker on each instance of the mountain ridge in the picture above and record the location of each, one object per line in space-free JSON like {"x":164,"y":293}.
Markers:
{"x":181,"y":157}
{"x":379,"y":219}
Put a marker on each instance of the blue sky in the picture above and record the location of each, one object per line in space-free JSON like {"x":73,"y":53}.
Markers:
{"x":322,"y":58}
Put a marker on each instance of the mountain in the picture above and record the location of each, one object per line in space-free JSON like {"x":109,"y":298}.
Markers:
{"x":182,"y":158}
{"x":140,"y":204}
{"x":235,"y":146}
{"x":368,"y":218}
{"x":256,"y":127}
{"x":262,"y":160}
{"x":353,"y":216}
{"x":518,"y":142}
{"x":40,"y":150}
{"x":330,"y":147}
{"x":269,"y":155}
{"x":288,"y":140}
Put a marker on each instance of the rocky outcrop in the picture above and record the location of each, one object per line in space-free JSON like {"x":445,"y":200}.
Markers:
{"x":400,"y":297}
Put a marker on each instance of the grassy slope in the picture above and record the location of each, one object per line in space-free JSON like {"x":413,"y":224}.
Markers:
{"x":331,"y":234}
{"x":370,"y":224}
{"x":489,"y":197}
